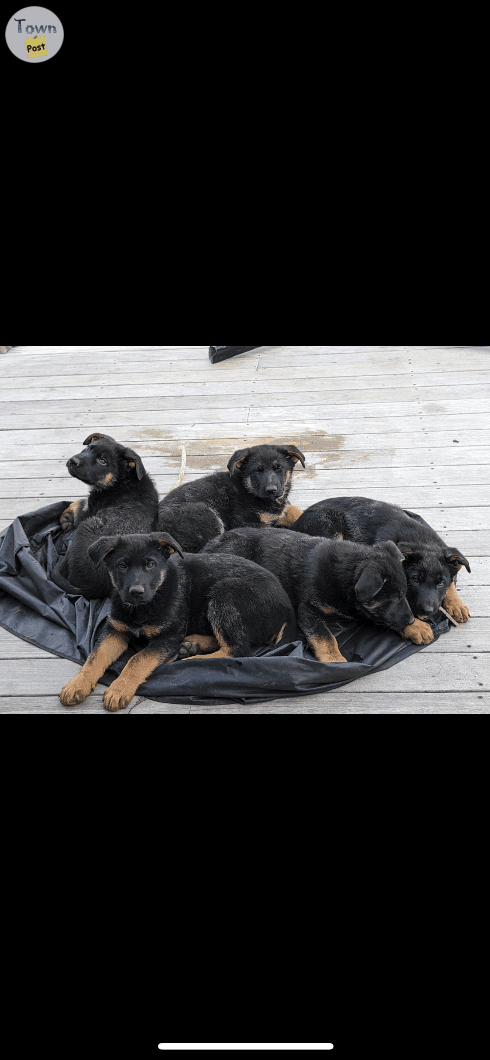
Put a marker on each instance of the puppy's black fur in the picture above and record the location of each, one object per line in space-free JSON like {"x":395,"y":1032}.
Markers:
{"x":192,"y":525}
{"x":322,"y":577}
{"x":252,"y":492}
{"x":228,"y":602}
{"x":430,"y":564}
{"x":122,"y":499}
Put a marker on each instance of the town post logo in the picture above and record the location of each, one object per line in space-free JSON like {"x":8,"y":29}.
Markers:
{"x":34,"y":34}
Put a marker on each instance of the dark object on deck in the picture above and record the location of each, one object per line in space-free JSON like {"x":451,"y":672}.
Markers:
{"x":35,"y":609}
{"x":221,"y":353}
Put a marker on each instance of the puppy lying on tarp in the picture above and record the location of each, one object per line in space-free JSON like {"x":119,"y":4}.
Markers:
{"x":122,"y":499}
{"x":323,"y":577}
{"x":430,"y":564}
{"x":228,"y":603}
{"x":252,"y":492}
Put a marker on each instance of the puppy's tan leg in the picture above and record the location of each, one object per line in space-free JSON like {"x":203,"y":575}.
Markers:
{"x":418,"y":632}
{"x":136,"y":671}
{"x":289,"y":516}
{"x":454,"y":605}
{"x":224,"y":651}
{"x":204,"y":645}
{"x":326,"y":649}
{"x":109,"y":649}
{"x":67,"y":518}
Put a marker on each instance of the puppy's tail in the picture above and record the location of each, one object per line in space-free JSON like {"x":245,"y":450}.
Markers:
{"x":182,"y":470}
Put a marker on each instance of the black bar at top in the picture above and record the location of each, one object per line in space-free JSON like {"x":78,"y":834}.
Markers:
{"x":221,"y":353}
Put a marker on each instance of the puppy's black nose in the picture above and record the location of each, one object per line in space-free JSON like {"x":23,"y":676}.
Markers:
{"x":72,"y":462}
{"x":136,"y":590}
{"x":271,"y":489}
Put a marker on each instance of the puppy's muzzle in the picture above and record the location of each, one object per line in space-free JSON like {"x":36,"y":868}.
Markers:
{"x":135,"y":592}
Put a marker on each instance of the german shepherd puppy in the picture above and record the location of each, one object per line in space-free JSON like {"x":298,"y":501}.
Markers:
{"x":430,"y":564}
{"x":252,"y":492}
{"x":230,"y":604}
{"x":122,"y":499}
{"x":323,"y":577}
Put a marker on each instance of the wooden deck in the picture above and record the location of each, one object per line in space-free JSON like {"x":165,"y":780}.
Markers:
{"x":408,"y":424}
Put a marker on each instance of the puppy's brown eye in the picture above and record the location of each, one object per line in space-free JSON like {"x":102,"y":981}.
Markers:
{"x":122,"y":565}
{"x":150,"y":563}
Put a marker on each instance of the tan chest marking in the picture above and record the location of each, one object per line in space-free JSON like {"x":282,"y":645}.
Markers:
{"x":266,"y":517}
{"x":152,"y":631}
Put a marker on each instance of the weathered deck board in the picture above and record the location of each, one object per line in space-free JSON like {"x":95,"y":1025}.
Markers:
{"x":191,"y":381}
{"x":265,"y":398}
{"x":406,"y":496}
{"x":402,"y":423}
{"x":422,"y":672}
{"x":333,"y":480}
{"x":328,"y":483}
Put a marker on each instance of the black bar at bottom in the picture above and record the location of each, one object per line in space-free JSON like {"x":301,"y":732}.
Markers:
{"x":220,"y":353}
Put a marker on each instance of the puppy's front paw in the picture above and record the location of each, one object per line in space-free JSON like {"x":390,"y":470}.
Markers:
{"x":457,"y":609}
{"x":197,"y":644}
{"x":187,"y":650}
{"x":117,"y":698}
{"x":418,"y":632}
{"x":67,"y":519}
{"x":74,"y":692}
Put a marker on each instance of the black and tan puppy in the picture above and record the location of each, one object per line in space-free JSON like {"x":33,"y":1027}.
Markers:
{"x":430,"y":564}
{"x":252,"y":492}
{"x":322,"y":577}
{"x":228,"y":603}
{"x":122,"y":499}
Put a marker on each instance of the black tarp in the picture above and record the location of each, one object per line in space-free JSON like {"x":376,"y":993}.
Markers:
{"x":34,"y":608}
{"x":221,"y":353}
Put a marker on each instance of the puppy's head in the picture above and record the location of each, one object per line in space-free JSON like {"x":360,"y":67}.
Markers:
{"x":429,"y":572}
{"x":381,"y":587}
{"x":137,"y":563}
{"x":265,"y":470}
{"x":105,"y":462}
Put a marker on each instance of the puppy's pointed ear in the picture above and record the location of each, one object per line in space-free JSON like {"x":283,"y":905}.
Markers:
{"x":456,"y":559}
{"x":96,"y":437}
{"x":293,"y":453}
{"x":370,"y":583}
{"x":394,"y":550}
{"x":166,"y":543}
{"x":101,"y":548}
{"x":410,"y":551}
{"x":235,"y":462}
{"x":132,"y":460}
